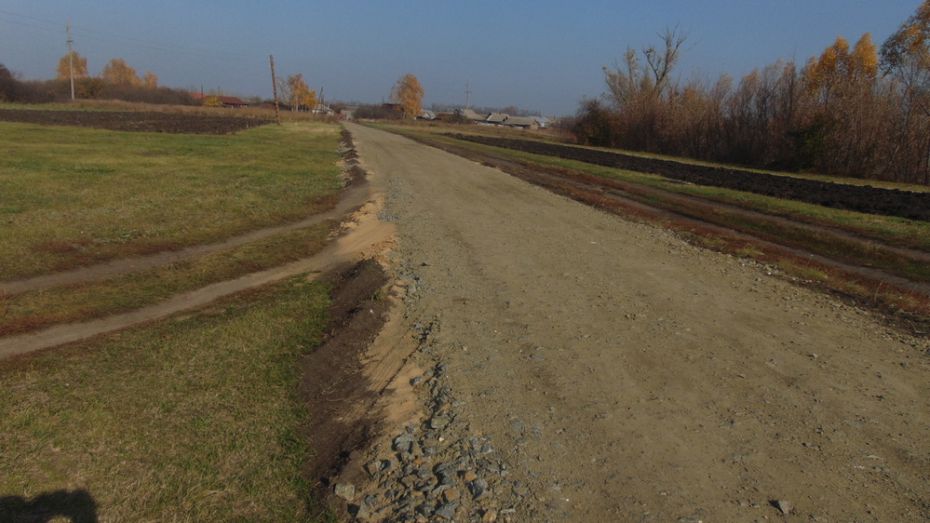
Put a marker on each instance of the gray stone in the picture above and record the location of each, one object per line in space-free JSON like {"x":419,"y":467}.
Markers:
{"x":447,"y":510}
{"x":345,"y":491}
{"x":438,"y":422}
{"x":446,"y":478}
{"x":403,"y":443}
{"x":424,"y":472}
{"x":425,"y":509}
{"x":477,"y":488}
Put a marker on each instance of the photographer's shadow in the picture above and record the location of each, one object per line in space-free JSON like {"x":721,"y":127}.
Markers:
{"x":76,"y":505}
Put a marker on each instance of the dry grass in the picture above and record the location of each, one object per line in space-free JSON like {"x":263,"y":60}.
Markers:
{"x":192,"y":419}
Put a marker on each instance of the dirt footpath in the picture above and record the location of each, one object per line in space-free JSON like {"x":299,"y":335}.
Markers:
{"x":627,"y":376}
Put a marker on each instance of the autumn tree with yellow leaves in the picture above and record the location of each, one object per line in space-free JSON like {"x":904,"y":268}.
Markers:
{"x":118,"y":72}
{"x":70,"y":61}
{"x":409,"y":94}
{"x":150,"y":80}
{"x":299,"y":93}
{"x":851,"y":110}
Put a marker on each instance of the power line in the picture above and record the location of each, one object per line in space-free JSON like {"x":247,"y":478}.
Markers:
{"x":33,"y":22}
{"x":20,"y":23}
{"x":103,"y":35}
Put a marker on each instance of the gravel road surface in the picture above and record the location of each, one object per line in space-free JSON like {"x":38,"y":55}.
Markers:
{"x":628,"y":376}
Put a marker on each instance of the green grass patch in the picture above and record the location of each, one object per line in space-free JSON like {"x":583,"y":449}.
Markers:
{"x":192,"y":419}
{"x":72,"y":196}
{"x":33,"y":310}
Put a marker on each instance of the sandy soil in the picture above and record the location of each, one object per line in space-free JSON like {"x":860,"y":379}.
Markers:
{"x":629,"y":376}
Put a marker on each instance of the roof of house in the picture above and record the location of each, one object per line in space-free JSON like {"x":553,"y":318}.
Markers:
{"x":232,"y":100}
{"x":520,"y":121}
{"x":497,"y":117}
{"x":472,"y":115}
{"x":228,"y":100}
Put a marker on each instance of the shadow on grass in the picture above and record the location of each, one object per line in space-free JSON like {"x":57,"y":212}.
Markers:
{"x":77,"y":506}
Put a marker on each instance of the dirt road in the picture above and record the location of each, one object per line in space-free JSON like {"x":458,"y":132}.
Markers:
{"x":628,"y":376}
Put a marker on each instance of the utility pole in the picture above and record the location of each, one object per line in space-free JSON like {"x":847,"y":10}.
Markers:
{"x":274,"y":90}
{"x":322,"y":100}
{"x":467,"y":94}
{"x":70,"y":58}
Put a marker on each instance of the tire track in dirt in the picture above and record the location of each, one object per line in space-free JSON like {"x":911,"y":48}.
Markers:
{"x":364,"y":237}
{"x":350,"y":199}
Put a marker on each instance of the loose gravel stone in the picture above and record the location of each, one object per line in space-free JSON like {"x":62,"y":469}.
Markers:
{"x":477,"y":488}
{"x":345,"y":491}
{"x":447,"y":510}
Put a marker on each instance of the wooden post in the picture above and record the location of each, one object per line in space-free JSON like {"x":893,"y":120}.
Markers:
{"x":274,"y":90}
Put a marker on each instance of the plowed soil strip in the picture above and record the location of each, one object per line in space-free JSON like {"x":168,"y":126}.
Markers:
{"x":139,"y":121}
{"x":352,"y":198}
{"x":872,"y":200}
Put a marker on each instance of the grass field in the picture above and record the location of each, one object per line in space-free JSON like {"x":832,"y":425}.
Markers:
{"x":73,"y":196}
{"x":192,"y":419}
{"x":34,"y":310}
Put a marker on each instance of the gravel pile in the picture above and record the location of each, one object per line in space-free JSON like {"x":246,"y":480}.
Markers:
{"x":437,"y":470}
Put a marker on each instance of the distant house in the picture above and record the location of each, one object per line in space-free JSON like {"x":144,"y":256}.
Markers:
{"x":449,"y":116}
{"x":426,"y":115}
{"x":232,"y":101}
{"x":347,"y":112}
{"x":323,"y":109}
{"x":472,"y":116}
{"x":497,"y":118}
{"x":522,"y":122}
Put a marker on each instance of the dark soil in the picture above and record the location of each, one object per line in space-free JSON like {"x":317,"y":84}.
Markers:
{"x":867,"y":199}
{"x":332,"y":381}
{"x":135,"y":121}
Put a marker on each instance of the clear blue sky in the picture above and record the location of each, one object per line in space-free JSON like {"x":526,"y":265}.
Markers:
{"x":542,"y":54}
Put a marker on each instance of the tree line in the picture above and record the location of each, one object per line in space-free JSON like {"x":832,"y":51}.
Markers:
{"x":117,"y":80}
{"x":855,"y":110}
